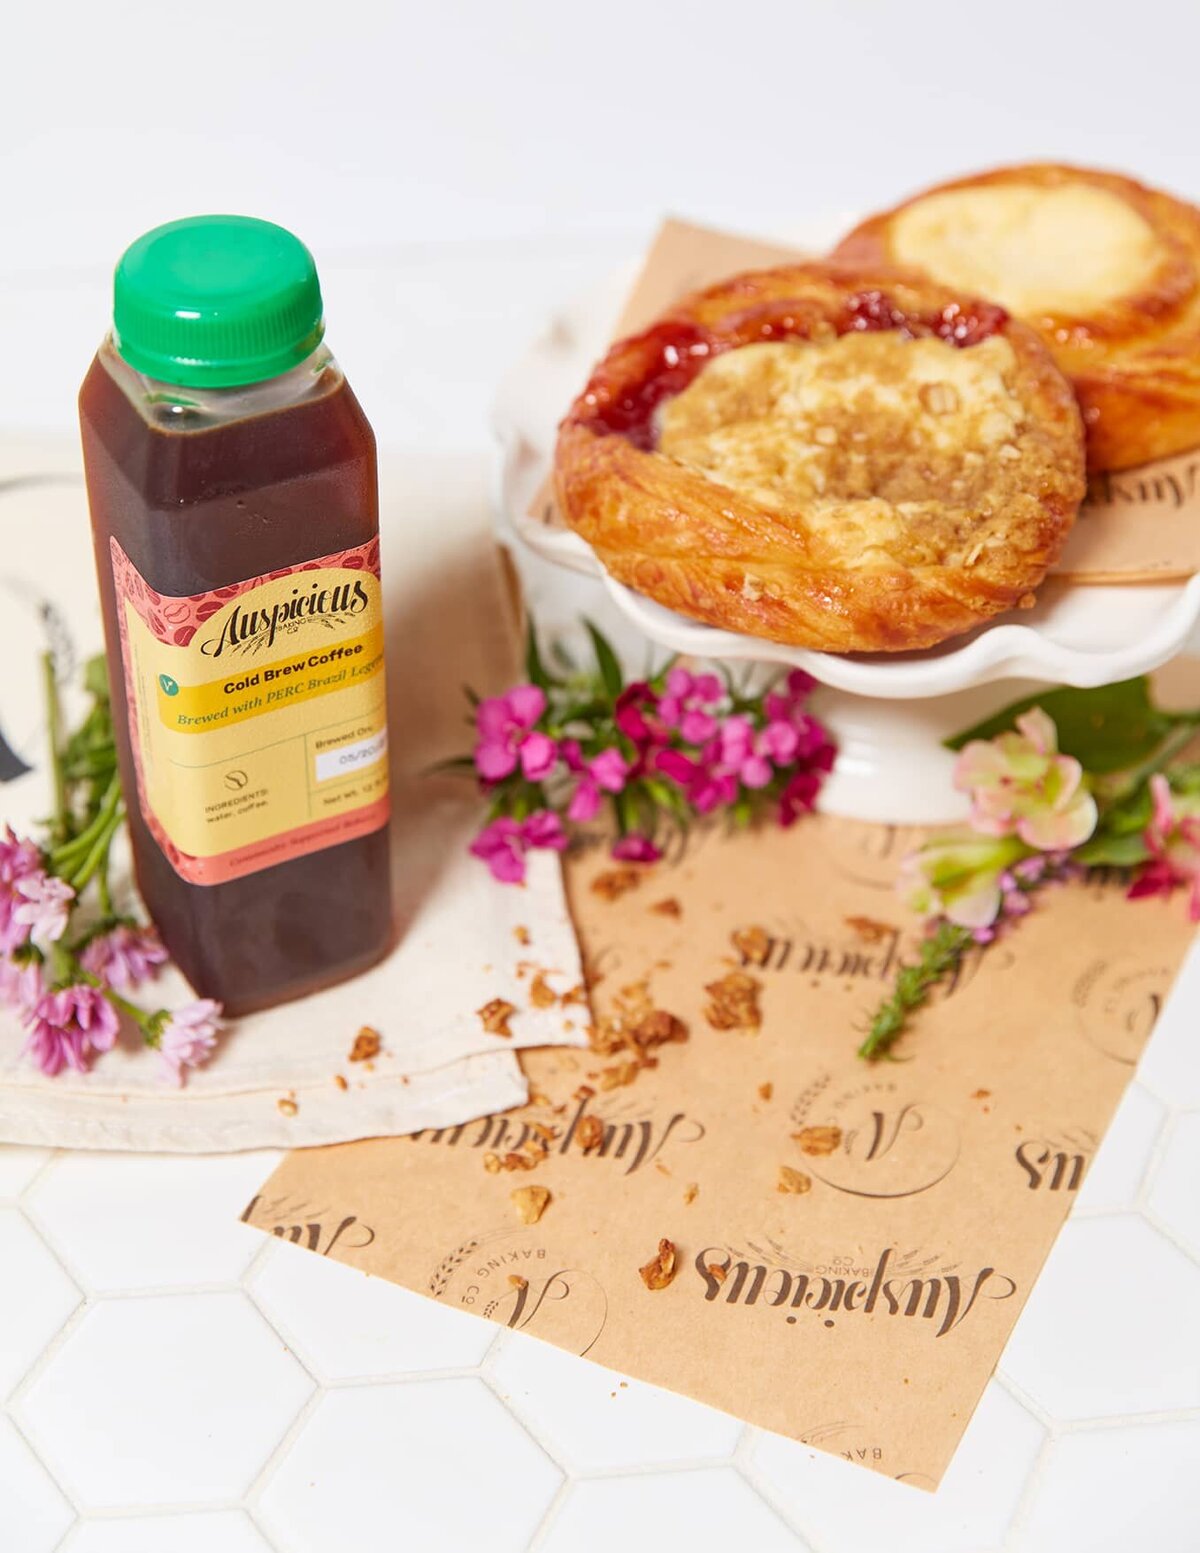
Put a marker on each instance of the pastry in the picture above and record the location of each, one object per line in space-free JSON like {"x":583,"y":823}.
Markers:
{"x":853,"y":459}
{"x":1106,"y":270}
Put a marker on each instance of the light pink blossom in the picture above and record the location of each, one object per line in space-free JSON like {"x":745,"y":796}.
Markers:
{"x":22,"y":982}
{"x":958,"y":876}
{"x":19,"y":859}
{"x":42,"y":905}
{"x":124,"y":957}
{"x":69,"y":1026}
{"x":1020,"y":785}
{"x":1173,"y":839}
{"x":187,"y":1037}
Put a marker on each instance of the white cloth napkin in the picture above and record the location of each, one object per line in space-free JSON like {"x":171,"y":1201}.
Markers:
{"x":450,"y":622}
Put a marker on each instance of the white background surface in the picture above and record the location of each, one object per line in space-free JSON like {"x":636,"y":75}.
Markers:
{"x":174,"y":1385}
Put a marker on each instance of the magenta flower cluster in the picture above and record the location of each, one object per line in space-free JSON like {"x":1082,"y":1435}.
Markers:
{"x":70,"y":997}
{"x":664,"y":749}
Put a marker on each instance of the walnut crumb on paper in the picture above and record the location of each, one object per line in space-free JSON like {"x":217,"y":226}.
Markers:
{"x":982,"y":1094}
{"x":286,"y":1106}
{"x":517,"y":1281}
{"x":765,"y":1091}
{"x":615,"y":882}
{"x":818,"y":1140}
{"x":667,"y":908}
{"x":690,"y":1193}
{"x":717,"y":1270}
{"x":660,"y":1270}
{"x":491,"y":1163}
{"x":794,"y":1181}
{"x":367,"y":1044}
{"x":530,"y":1202}
{"x":521,"y":934}
{"x":619,"y":1075}
{"x":733,"y":1002}
{"x":495,"y":1016}
{"x":340,"y":1081}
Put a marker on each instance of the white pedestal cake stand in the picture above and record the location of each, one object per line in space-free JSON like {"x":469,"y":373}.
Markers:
{"x":889,"y":712}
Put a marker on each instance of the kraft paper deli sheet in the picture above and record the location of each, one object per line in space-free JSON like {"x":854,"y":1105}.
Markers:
{"x":863,"y":1311}
{"x":1136,"y":525}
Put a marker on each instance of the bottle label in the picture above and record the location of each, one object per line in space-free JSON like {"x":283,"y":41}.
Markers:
{"x":257,"y":712}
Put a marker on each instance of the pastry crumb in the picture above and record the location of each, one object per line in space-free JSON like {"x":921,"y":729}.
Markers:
{"x":754,"y":944}
{"x":733,"y":1002}
{"x":491,"y":1163}
{"x":794,"y":1181}
{"x":667,"y":908}
{"x":615,"y":882}
{"x":530,"y":1202}
{"x":816,"y":1141}
{"x":367,"y":1044}
{"x":690,"y":1193}
{"x":590,"y":1132}
{"x":541,"y":993}
{"x":517,"y":1281}
{"x":765,"y":1091}
{"x":868,"y":929}
{"x":495,"y":1016}
{"x":659,"y":1271}
{"x":286,"y":1106}
{"x":717,"y":1270}
{"x":340,"y":1081}
{"x":521,"y":934}
{"x":982,"y":1094}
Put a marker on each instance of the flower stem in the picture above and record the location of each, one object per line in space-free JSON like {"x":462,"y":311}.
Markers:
{"x":81,"y":845}
{"x":97,"y":856}
{"x":940,"y":954}
{"x":54,"y":735}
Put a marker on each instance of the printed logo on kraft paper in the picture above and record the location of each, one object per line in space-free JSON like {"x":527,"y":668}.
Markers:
{"x":257,"y":712}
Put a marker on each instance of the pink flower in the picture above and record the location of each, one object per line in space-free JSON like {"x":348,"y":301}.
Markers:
{"x":504,"y":723}
{"x":502,"y":848}
{"x":19,"y":859}
{"x":635,"y":716}
{"x":42,"y":905}
{"x":740,"y":755}
{"x":538,"y":753}
{"x":502,"y":845}
{"x":682,"y":707}
{"x":799,"y":797}
{"x":705,"y":785}
{"x":124,"y":957}
{"x":608,"y":773}
{"x":187,"y":1037}
{"x":636,"y":848}
{"x":1020,"y":785}
{"x":68,"y":1026}
{"x":1173,"y":838}
{"x":21,"y":982}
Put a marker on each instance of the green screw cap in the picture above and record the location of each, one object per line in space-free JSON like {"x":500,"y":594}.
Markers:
{"x":216,"y":301}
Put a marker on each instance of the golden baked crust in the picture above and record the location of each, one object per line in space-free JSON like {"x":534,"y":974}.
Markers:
{"x":1106,"y":270}
{"x":802,"y":454}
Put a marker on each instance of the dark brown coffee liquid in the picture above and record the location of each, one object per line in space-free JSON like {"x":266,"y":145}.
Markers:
{"x":202,"y":509}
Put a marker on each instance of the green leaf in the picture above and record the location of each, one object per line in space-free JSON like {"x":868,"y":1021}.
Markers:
{"x":1107,"y":729}
{"x":1115,"y":851}
{"x":95,"y":677}
{"x":536,"y":671}
{"x":606,"y":661}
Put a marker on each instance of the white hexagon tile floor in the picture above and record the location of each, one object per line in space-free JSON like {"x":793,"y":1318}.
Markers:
{"x":173,"y":1383}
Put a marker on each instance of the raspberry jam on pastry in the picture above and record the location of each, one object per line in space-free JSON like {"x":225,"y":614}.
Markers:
{"x":673,"y":352}
{"x":850,"y":459}
{"x":1105,"y":270}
